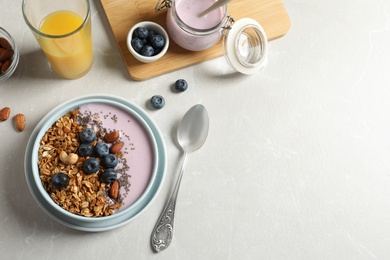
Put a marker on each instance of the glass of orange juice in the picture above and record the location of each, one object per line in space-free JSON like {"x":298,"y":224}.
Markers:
{"x":63,"y":31}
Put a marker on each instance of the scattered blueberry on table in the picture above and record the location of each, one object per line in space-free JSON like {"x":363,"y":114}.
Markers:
{"x":157,"y":101}
{"x":181,"y":85}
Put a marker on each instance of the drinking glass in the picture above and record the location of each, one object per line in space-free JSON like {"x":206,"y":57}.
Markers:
{"x":63,"y":31}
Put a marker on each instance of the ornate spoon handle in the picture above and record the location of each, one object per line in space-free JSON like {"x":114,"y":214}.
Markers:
{"x":163,"y":231}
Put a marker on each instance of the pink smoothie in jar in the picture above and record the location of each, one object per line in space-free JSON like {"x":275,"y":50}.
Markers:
{"x":192,"y":32}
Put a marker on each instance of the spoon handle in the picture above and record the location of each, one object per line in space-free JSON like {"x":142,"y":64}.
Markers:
{"x":217,"y":4}
{"x":163,"y":231}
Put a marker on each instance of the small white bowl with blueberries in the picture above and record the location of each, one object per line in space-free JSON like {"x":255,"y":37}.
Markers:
{"x":147,"y":41}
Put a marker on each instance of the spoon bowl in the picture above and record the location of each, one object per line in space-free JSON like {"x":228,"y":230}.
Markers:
{"x":191,"y":135}
{"x":193,"y":129}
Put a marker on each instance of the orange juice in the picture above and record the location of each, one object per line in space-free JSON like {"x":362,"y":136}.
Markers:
{"x":68,"y":46}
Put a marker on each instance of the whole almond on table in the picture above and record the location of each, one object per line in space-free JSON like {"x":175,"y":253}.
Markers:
{"x":116,"y":147}
{"x":20,"y":122}
{"x":111,"y":137}
{"x":4,"y":113}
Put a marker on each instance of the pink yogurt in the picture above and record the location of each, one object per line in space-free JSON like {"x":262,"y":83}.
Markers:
{"x":190,"y":31}
{"x":136,"y":167}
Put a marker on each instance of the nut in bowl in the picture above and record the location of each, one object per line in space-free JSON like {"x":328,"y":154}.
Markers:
{"x":96,"y":162}
{"x":9,"y":55}
{"x":147,"y":41}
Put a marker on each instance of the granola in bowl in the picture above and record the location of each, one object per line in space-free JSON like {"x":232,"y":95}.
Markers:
{"x":87,"y":188}
{"x":85,"y":194}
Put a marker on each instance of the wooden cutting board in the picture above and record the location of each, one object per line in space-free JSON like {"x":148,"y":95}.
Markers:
{"x":123,"y":14}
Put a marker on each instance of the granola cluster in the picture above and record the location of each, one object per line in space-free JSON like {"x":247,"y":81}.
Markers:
{"x":85,"y":194}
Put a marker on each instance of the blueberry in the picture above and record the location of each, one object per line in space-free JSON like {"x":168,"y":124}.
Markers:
{"x":109,"y":175}
{"x":157,"y":41}
{"x":101,"y":149}
{"x":141,"y":32}
{"x":85,"y":149}
{"x":88,"y":135}
{"x":110,"y":161}
{"x":137,"y":44}
{"x":91,"y":165}
{"x":151,"y":34}
{"x":147,"y":51}
{"x":157,"y":51}
{"x":59,"y":180}
{"x":181,"y":85}
{"x":157,"y":101}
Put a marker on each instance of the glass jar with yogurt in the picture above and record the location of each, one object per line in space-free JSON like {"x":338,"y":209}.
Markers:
{"x":244,"y":41}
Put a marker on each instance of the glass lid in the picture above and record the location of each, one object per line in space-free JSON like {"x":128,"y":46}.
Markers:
{"x":246,"y":46}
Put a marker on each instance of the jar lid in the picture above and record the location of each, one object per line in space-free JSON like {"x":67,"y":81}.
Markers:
{"x":246,"y":46}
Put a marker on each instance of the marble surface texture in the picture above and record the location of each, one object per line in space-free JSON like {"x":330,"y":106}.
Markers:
{"x":296,"y":164}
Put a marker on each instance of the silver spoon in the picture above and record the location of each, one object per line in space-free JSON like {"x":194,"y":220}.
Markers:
{"x":214,"y":6}
{"x":191,"y":135}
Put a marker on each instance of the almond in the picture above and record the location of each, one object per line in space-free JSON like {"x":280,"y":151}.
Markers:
{"x":111,"y":137}
{"x":4,"y":43}
{"x":114,"y":190}
{"x":5,"y":66}
{"x":4,"y":113}
{"x":116,"y":147}
{"x":20,"y":122}
{"x":6,"y":54}
{"x":2,"y":51}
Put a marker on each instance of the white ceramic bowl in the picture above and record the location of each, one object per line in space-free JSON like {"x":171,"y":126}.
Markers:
{"x":150,"y":26}
{"x":15,"y":59}
{"x":150,"y":186}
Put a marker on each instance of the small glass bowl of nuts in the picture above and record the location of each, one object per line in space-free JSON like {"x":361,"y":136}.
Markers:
{"x":9,"y":55}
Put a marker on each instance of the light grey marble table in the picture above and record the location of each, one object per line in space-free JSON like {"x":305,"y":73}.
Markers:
{"x":296,"y":165}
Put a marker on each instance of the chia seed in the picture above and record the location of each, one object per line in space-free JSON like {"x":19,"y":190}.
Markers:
{"x":88,"y":119}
